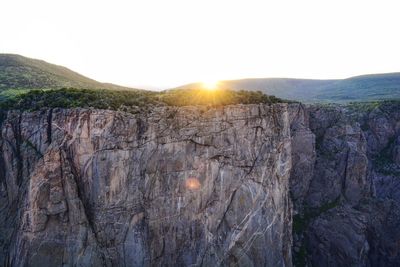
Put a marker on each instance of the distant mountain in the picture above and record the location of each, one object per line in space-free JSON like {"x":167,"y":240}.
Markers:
{"x":365,"y":87}
{"x":359,"y":88}
{"x":18,"y":72}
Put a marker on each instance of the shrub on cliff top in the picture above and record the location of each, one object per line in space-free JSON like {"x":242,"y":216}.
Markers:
{"x":114,"y":100}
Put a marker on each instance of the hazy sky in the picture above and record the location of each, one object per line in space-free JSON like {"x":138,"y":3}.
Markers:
{"x":159,"y":44}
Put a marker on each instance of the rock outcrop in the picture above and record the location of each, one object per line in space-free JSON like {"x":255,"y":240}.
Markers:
{"x":244,"y":185}
{"x":169,"y":187}
{"x":346,"y":202}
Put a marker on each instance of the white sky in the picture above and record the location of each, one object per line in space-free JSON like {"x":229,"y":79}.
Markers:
{"x":165,"y":43}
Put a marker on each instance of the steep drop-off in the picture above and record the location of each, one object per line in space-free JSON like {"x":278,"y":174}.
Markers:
{"x":169,"y":187}
{"x":344,"y":185}
{"x":243,"y":185}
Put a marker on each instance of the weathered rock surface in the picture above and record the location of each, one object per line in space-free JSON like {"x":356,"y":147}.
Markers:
{"x":348,"y":212}
{"x":195,"y":186}
{"x":171,"y":187}
{"x":303,"y":154}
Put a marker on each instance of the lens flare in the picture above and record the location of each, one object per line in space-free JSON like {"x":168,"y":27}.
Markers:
{"x":192,"y":183}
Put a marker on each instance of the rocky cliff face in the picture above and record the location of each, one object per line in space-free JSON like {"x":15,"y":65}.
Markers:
{"x":344,"y":185}
{"x":195,"y":186}
{"x":168,"y":187}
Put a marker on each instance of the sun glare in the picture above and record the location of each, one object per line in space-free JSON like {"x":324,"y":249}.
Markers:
{"x":192,"y":183}
{"x":210,"y":85}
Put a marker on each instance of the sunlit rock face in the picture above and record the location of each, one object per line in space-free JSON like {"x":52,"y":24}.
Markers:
{"x":188,"y":186}
{"x":199,"y":186}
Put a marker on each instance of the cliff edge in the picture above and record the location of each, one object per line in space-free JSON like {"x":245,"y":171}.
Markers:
{"x":172,"y":186}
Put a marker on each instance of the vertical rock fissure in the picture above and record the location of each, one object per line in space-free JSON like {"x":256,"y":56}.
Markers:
{"x":66,"y":157}
{"x":345,"y":173}
{"x":2,"y":162}
{"x":16,"y":128}
{"x":49,"y":125}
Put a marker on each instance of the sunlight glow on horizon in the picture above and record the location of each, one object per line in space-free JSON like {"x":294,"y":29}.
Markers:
{"x":159,"y":44}
{"x":210,"y":85}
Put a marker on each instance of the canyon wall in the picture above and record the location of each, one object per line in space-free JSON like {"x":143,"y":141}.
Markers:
{"x":244,"y":185}
{"x":164,"y":187}
{"x":344,"y":184}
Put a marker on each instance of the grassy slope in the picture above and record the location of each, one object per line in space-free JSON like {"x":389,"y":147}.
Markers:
{"x":18,"y":72}
{"x":30,"y":84}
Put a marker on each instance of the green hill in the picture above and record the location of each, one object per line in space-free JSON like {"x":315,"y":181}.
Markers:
{"x":30,"y":84}
{"x":360,"y":88}
{"x":18,"y":72}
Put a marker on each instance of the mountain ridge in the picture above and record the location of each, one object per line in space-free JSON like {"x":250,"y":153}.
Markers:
{"x":368,"y":87}
{"x":18,"y":72}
